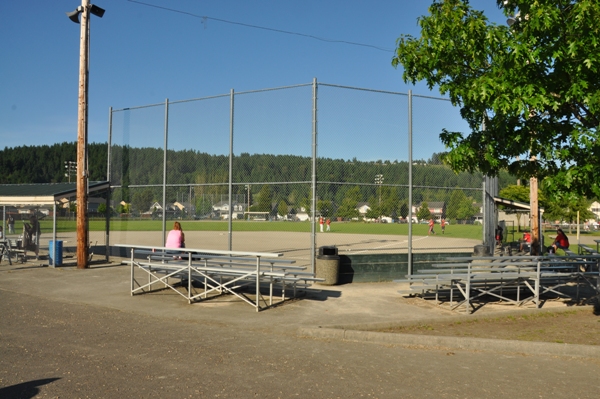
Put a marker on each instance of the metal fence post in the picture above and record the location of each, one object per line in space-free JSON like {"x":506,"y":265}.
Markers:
{"x":108,"y":191}
{"x":164,"y":188}
{"x":314,"y":178}
{"x":230,"y":225}
{"x":410,"y":184}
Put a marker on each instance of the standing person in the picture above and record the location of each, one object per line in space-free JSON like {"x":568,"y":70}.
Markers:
{"x":328,"y":224}
{"x":175,"y":238}
{"x":321,"y":223}
{"x":36,"y":231}
{"x":431,"y":224}
{"x":561,"y":241}
{"x":499,"y":235}
{"x":10,"y":220}
{"x":443,"y":225}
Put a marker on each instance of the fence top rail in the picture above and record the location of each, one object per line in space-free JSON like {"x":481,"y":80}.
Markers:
{"x":198,"y":251}
{"x":545,"y":264}
{"x":495,"y":271}
{"x":481,"y":266}
{"x":506,"y":259}
{"x":491,"y":265}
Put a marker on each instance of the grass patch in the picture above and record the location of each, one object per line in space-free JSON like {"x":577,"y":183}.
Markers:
{"x":573,"y":327}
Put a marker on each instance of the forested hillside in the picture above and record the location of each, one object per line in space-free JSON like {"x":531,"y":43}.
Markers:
{"x":46,"y":164}
{"x":202,"y":178}
{"x":143,"y":166}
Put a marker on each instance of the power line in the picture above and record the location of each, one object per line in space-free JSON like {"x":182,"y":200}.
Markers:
{"x":205,"y":18}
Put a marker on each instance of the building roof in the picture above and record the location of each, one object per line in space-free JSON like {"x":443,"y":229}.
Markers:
{"x":513,"y":204}
{"x":43,"y":193}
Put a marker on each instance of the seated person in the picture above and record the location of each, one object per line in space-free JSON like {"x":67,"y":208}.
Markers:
{"x":176,"y":238}
{"x":561,"y":241}
{"x":525,"y":242}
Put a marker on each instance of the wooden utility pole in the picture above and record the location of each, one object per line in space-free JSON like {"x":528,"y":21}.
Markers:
{"x":82,"y":136}
{"x":535,"y":218}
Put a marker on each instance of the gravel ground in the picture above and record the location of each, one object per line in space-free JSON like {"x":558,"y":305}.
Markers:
{"x":67,"y":333}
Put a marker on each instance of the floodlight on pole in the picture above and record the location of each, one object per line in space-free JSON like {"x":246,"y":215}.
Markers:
{"x":379,"y":182}
{"x":74,"y":15}
{"x":513,"y":19}
{"x":248,"y":194}
{"x":84,"y":11}
{"x":94,"y":9}
{"x":71,"y":169}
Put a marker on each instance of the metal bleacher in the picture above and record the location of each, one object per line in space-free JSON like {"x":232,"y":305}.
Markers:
{"x":470,"y":282}
{"x":204,"y":274}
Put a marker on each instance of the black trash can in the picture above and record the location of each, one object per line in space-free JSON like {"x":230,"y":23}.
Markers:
{"x":481,"y":250}
{"x":328,"y":265}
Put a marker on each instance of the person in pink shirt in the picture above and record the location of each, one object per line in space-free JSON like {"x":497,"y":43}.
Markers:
{"x":176,"y":238}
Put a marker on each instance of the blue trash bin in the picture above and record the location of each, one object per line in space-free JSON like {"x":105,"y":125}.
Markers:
{"x":59,"y":253}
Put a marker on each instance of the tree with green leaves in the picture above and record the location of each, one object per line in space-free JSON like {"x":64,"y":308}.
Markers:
{"x":568,"y":210}
{"x":423,"y":212}
{"x":373,"y":212}
{"x":466,"y":210}
{"x":529,"y":92}
{"x":390,"y":202}
{"x":404,"y":210}
{"x":264,"y":198}
{"x":141,"y":200}
{"x":515,"y":193}
{"x":348,"y":208}
{"x":305,"y":205}
{"x":457,"y":197}
{"x":325,"y":208}
{"x":282,"y":208}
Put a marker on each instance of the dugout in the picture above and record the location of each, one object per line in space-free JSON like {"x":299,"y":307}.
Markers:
{"x":517,"y":206}
{"x":24,"y":199}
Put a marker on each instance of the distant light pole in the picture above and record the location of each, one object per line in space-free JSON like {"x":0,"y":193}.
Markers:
{"x":71,"y":169}
{"x":379,"y":182}
{"x":248,"y":194}
{"x":82,"y":127}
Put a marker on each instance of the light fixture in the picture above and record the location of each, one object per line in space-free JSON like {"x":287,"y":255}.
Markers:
{"x":513,"y":19}
{"x":74,"y":15}
{"x":97,"y":11}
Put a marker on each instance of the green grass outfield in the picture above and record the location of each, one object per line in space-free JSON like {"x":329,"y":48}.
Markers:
{"x":457,"y":231}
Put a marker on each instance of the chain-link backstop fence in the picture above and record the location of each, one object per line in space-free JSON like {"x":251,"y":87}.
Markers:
{"x":259,"y":170}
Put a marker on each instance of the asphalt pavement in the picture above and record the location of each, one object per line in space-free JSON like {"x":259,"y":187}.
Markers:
{"x":71,"y":333}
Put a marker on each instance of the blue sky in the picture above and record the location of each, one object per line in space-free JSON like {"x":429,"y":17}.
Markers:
{"x":143,"y":55}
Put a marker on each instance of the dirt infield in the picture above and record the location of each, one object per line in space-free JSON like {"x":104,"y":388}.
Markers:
{"x":293,"y":245}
